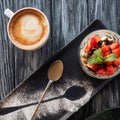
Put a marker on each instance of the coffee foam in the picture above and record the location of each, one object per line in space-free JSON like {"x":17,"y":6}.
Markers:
{"x":31,"y":29}
{"x":28,"y":27}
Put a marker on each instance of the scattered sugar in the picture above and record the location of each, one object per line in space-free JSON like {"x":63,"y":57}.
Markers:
{"x":52,"y":106}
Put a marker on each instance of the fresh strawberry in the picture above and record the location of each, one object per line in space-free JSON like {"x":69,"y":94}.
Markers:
{"x":97,"y":38}
{"x":94,"y":41}
{"x":105,"y":50}
{"x":93,"y":67}
{"x":109,"y":63}
{"x":117,"y":51}
{"x":116,"y":62}
{"x":110,"y":69}
{"x":114,"y":45}
{"x":88,"y":48}
{"x":101,"y":71}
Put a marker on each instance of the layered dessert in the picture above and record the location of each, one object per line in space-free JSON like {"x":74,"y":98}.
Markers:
{"x":100,"y":54}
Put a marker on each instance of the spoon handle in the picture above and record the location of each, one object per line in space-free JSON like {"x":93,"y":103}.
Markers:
{"x":38,"y":105}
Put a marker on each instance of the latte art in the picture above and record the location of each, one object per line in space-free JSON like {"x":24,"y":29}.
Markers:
{"x":28,"y":27}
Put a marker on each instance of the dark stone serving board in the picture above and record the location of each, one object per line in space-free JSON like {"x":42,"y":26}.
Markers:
{"x":64,"y":97}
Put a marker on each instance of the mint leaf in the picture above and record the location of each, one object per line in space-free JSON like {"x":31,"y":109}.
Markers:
{"x":97,"y":52}
{"x":99,"y":59}
{"x":110,"y":57}
{"x":95,"y":60}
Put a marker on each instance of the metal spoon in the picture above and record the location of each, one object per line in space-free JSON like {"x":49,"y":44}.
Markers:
{"x":54,"y":73}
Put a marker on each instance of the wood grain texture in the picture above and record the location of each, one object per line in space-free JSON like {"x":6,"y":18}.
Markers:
{"x":67,"y":18}
{"x":105,"y":10}
{"x":6,"y":55}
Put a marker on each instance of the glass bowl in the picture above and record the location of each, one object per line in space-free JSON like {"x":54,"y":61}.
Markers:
{"x":82,"y":47}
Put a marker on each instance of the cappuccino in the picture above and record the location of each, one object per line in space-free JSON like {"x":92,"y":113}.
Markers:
{"x":28,"y":29}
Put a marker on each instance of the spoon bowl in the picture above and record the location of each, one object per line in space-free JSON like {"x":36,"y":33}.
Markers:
{"x":55,"y":70}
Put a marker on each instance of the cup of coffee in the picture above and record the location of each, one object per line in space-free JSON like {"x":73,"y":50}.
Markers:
{"x":28,"y":28}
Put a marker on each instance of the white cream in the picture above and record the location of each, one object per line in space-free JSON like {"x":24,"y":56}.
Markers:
{"x":31,"y":29}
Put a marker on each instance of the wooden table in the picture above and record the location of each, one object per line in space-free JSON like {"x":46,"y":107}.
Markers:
{"x":67,"y":19}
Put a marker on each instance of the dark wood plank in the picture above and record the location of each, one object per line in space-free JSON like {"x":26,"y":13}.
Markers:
{"x":67,"y":18}
{"x":118,"y":15}
{"x":6,"y":54}
{"x":105,"y":10}
{"x":74,"y":18}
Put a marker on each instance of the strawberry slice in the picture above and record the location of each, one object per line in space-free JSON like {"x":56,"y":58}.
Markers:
{"x":101,"y":71}
{"x":97,"y":38}
{"x":93,"y":67}
{"x":116,"y":62}
{"x":94,"y":41}
{"x":109,"y":63}
{"x":110,"y":70}
{"x":117,"y":51}
{"x":114,"y":45}
{"x":105,"y":50}
{"x":88,"y":48}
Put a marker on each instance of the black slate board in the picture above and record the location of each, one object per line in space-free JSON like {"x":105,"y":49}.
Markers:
{"x":64,"y":97}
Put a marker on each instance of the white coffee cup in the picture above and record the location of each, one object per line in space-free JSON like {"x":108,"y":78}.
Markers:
{"x":28,"y":28}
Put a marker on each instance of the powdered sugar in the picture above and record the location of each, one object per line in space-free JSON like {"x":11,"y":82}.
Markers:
{"x":54,"y":101}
